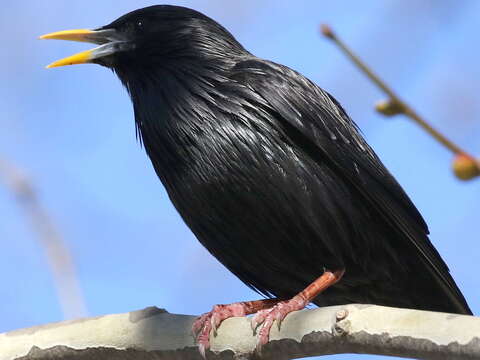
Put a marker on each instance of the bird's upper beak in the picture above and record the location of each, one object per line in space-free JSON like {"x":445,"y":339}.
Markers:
{"x":110,"y":42}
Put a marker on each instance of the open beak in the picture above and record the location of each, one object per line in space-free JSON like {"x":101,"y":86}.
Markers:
{"x":109,"y":40}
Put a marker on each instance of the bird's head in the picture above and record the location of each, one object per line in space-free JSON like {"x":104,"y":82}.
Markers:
{"x":169,"y":58}
{"x":156,"y":36}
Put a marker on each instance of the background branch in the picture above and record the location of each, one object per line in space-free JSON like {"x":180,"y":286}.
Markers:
{"x":153,"y":333}
{"x":465,"y":166}
{"x":59,"y":258}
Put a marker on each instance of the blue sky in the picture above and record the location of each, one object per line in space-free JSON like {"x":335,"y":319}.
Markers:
{"x":72,"y":130}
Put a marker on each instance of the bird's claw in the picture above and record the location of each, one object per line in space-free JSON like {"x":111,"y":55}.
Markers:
{"x":198,"y":324}
{"x":262,"y":321}
{"x":258,"y":319}
{"x":214,"y":322}
{"x":202,"y":349}
{"x":204,"y":324}
{"x":201,"y":331}
{"x":266,"y":318}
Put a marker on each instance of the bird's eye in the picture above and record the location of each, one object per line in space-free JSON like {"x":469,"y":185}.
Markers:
{"x":140,"y":24}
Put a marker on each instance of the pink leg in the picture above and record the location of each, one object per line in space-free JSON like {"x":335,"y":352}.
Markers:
{"x":207,"y":322}
{"x":278,"y":312}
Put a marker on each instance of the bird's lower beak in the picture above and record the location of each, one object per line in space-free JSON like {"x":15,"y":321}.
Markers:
{"x":109,"y":40}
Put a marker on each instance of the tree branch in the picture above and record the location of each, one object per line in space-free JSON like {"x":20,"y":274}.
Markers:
{"x":153,"y":333}
{"x":58,"y":255}
{"x":464,"y":165}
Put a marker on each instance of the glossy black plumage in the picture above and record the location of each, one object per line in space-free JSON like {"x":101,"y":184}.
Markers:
{"x":269,"y":172}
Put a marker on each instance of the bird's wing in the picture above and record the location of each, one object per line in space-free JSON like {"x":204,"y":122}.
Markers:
{"x":319,"y":120}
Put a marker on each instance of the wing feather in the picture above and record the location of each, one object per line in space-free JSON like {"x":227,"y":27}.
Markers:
{"x":322,"y":123}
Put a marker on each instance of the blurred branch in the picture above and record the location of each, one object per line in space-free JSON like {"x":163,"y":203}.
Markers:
{"x":59,"y":258}
{"x":153,"y":333}
{"x":465,"y":166}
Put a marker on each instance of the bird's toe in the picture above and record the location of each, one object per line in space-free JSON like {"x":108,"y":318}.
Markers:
{"x":204,"y":324}
{"x":265,"y":318}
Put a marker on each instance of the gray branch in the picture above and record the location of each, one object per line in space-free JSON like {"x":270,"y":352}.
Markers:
{"x":153,"y":333}
{"x":58,"y":255}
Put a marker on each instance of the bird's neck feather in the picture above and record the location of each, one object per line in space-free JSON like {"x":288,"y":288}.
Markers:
{"x":172,"y":106}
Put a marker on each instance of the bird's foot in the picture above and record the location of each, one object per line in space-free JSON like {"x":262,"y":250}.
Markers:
{"x":265,"y":318}
{"x":209,"y":321}
{"x":266,"y":312}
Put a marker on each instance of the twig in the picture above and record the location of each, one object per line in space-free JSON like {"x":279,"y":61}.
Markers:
{"x":153,"y":333}
{"x":465,"y":166}
{"x":59,"y":257}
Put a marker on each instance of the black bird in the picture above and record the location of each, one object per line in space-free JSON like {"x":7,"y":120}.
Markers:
{"x":268,"y":171}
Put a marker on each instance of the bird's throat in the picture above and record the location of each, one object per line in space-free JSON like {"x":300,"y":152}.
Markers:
{"x":174,"y":110}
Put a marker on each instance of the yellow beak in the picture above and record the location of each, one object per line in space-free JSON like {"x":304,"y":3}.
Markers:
{"x":83,"y":57}
{"x":108,"y":39}
{"x":73,"y":35}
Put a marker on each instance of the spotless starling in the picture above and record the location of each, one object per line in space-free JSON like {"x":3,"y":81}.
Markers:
{"x":268,"y":171}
